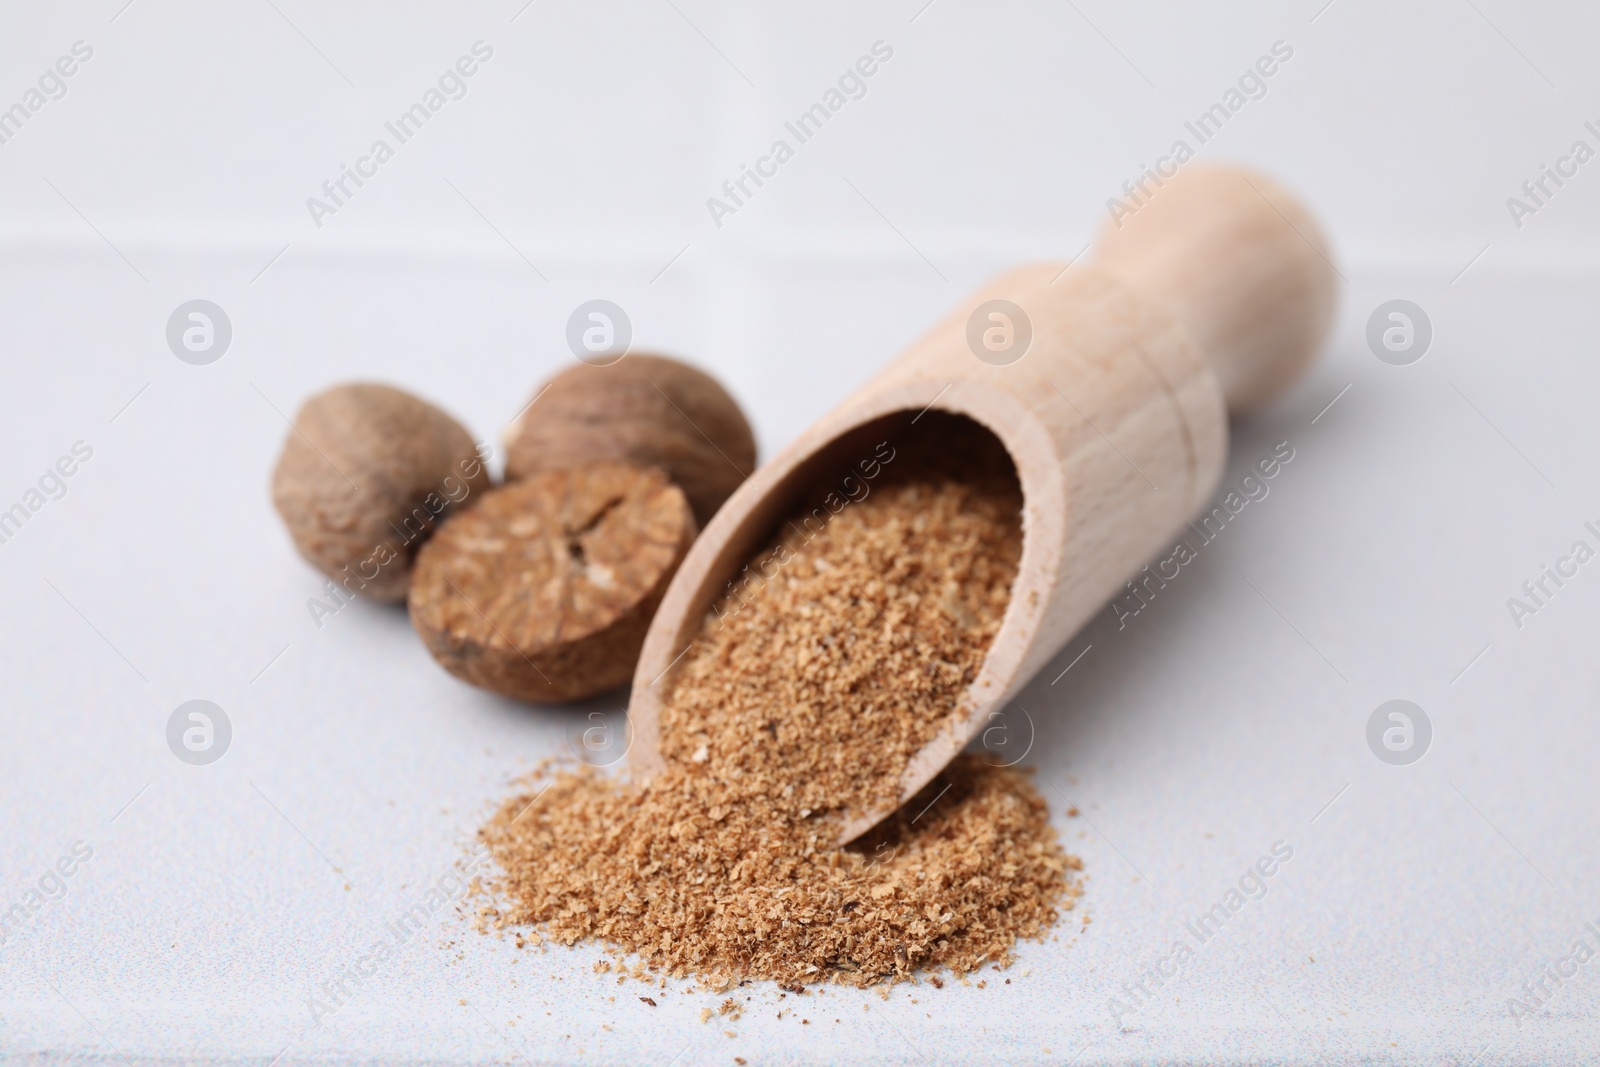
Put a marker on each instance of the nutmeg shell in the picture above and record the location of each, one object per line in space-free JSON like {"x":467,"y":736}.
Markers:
{"x":645,"y":410}
{"x":366,"y":474}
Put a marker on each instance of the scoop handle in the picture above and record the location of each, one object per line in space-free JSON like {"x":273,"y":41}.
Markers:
{"x":1239,"y":262}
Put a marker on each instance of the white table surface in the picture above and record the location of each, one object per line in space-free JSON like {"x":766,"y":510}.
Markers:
{"x":1227,"y":716}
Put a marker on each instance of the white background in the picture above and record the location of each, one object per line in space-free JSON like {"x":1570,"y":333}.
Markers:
{"x":1223,"y":719}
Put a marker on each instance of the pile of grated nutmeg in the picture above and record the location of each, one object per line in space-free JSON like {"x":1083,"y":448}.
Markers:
{"x":801,"y":699}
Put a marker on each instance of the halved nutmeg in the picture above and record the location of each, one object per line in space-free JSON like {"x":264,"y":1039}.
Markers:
{"x":544,"y":588}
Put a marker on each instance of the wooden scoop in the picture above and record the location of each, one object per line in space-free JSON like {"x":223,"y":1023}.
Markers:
{"x":1211,"y":298}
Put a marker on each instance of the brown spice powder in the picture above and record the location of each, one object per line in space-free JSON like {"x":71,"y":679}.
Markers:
{"x":835,"y":671}
{"x":806,"y":695}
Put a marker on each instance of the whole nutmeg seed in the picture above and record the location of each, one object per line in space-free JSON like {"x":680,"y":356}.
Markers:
{"x":543,"y":589}
{"x":365,"y":475}
{"x":645,"y":410}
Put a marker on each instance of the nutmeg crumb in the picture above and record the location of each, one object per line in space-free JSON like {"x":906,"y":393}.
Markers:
{"x":805,"y":695}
